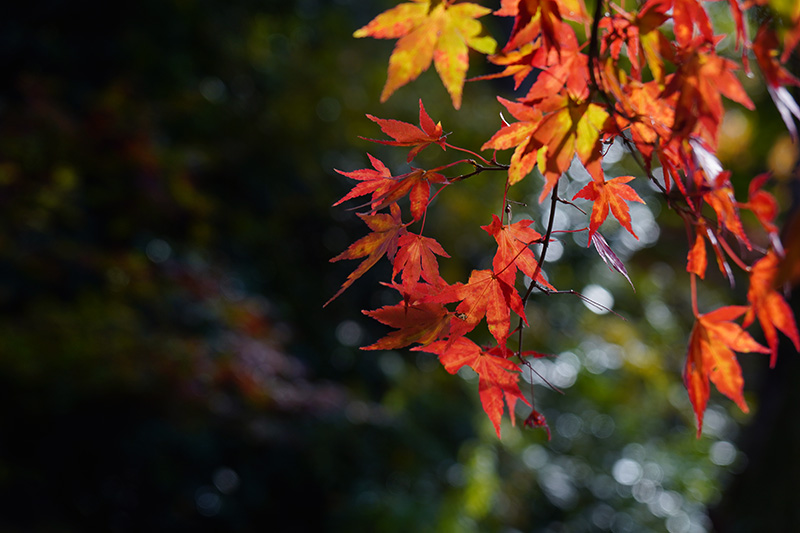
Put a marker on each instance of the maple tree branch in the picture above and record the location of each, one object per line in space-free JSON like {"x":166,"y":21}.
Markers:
{"x":545,"y":240}
{"x":545,"y":243}
{"x":594,"y":53}
{"x":594,"y":61}
{"x":582,"y":297}
{"x":478,"y":169}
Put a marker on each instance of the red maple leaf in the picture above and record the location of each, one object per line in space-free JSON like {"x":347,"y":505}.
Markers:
{"x":540,"y":18}
{"x":697,"y":261}
{"x":513,"y":252}
{"x":765,"y":49}
{"x":375,"y":182}
{"x":440,"y":33}
{"x":700,"y":81}
{"x":609,"y":195}
{"x":713,"y":340}
{"x":497,"y":376}
{"x":720,"y":197}
{"x":642,"y":109}
{"x":417,"y":320}
{"x":405,"y":134}
{"x":688,"y":14}
{"x":640,"y":35}
{"x":761,"y":203}
{"x":386,"y":189}
{"x":416,"y":259}
{"x":484,"y":295}
{"x":768,"y":305}
{"x":386,"y":230}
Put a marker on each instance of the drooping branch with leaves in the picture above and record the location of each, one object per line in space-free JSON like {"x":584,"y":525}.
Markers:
{"x":645,"y":74}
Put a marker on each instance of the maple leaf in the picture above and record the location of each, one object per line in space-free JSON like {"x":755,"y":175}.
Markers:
{"x":765,"y":208}
{"x":417,"y":319}
{"x":441,"y":34}
{"x":535,"y":18}
{"x":697,"y":261}
{"x":641,"y":36}
{"x":517,"y":135}
{"x":517,"y":62}
{"x":712,"y":343}
{"x":405,"y":134}
{"x":609,"y":195}
{"x":386,"y":230}
{"x":720,"y":198}
{"x":415,"y":258}
{"x":688,"y":14}
{"x":513,"y":253}
{"x":386,"y":189}
{"x":537,"y":420}
{"x":564,"y":67}
{"x":375,"y":182}
{"x":497,"y":376}
{"x":642,"y":109}
{"x":702,"y":76}
{"x":485,"y":294}
{"x":769,"y":306}
{"x":608,"y":256}
{"x":765,"y":49}
{"x":569,"y":128}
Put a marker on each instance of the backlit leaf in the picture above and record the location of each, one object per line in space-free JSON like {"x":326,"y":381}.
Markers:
{"x":712,"y":343}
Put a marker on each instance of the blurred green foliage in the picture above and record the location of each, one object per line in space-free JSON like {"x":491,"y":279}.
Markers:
{"x":165,"y":182}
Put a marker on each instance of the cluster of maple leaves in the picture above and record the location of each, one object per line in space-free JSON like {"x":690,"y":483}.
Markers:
{"x":650,"y":77}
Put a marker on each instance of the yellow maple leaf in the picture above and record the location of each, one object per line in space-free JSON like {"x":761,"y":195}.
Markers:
{"x":441,"y":33}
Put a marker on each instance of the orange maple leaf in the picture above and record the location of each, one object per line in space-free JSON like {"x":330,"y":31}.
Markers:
{"x":517,"y":63}
{"x":405,"y":134}
{"x":713,"y":340}
{"x":569,"y":128}
{"x":609,"y":194}
{"x":641,"y":108}
{"x":417,"y":320}
{"x":768,"y":305}
{"x":517,"y":135}
{"x":386,"y":230}
{"x":440,"y":33}
{"x":485,"y":294}
{"x":497,"y":376}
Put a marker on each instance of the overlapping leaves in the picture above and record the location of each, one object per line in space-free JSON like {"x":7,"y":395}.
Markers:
{"x":652,"y":79}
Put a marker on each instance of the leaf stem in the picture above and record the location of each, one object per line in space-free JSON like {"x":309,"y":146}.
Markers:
{"x":470,"y":152}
